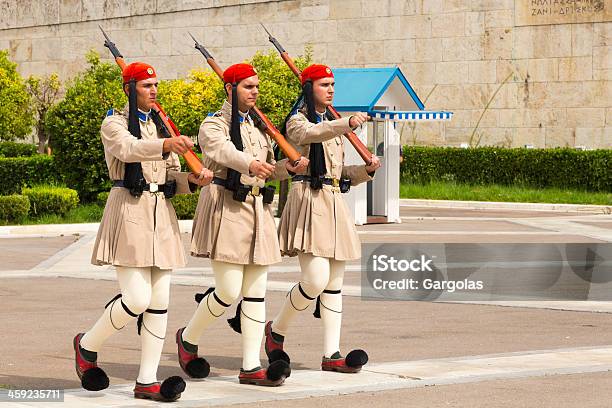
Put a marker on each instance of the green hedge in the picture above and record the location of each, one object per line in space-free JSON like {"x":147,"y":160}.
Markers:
{"x":14,"y":149}
{"x":18,"y":172}
{"x":51,"y":200}
{"x":102,"y":197}
{"x":561,"y":167}
{"x":185,"y":205}
{"x":13,"y":208}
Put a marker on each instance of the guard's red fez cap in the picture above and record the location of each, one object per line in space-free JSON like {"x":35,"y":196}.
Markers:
{"x":138,"y":71}
{"x":316,"y":71}
{"x":237,"y":72}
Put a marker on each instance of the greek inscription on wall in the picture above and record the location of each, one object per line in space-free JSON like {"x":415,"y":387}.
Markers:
{"x":538,"y":12}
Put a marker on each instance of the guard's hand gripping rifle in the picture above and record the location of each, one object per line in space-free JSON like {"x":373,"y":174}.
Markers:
{"x":269,"y":128}
{"x":167,"y":128}
{"x":351,"y":136}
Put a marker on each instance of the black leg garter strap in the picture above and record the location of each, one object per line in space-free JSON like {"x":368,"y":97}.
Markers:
{"x":200,"y":296}
{"x":303,"y":293}
{"x":111,"y":303}
{"x":140,"y":321}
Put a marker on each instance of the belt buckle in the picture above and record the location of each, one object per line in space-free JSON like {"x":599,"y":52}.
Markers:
{"x":336,"y":182}
{"x":255,"y":190}
{"x":153,"y":187}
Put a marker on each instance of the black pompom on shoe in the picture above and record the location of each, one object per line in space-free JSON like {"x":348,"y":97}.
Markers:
{"x":278,"y":370}
{"x":278,"y":355}
{"x":198,"y":368}
{"x":356,"y":358}
{"x":94,"y":379}
{"x":172,"y":387}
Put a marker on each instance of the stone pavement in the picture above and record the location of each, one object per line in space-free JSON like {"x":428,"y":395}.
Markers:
{"x":457,"y":347}
{"x":225,"y":390}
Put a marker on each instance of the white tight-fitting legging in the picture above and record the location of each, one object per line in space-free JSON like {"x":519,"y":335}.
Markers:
{"x":232,"y":280}
{"x":144,"y":291}
{"x":320,"y":277}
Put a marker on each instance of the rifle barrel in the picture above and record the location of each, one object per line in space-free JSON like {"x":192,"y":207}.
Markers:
{"x":270,"y":129}
{"x":363,"y":151}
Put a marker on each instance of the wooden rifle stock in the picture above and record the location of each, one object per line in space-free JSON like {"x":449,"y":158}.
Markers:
{"x":362,"y":150}
{"x":270,"y":129}
{"x":193,"y":161}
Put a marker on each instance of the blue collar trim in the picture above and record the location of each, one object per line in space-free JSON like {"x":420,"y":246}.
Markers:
{"x":143,"y":117}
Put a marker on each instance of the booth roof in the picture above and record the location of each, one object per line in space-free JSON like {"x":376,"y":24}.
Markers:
{"x":358,"y":89}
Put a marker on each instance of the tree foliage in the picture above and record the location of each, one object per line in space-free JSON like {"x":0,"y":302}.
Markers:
{"x":44,"y":92}
{"x":74,"y":126}
{"x":278,"y":86}
{"x":188,"y":101}
{"x":16,"y":115}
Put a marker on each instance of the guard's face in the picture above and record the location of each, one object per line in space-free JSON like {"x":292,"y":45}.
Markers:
{"x":146,"y":93}
{"x":323,"y":91}
{"x":248,"y":91}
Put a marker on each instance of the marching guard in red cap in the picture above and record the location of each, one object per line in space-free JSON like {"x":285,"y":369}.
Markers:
{"x":316,"y":225}
{"x":235,"y":228}
{"x":139,"y":234}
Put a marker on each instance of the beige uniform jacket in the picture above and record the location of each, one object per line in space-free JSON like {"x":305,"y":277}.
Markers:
{"x":319,"y":221}
{"x":225,"y":229}
{"x":143,"y":231}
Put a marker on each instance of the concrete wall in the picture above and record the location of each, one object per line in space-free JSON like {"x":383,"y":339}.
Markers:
{"x":549,"y":70}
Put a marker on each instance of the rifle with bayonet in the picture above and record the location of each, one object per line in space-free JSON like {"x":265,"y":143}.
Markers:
{"x":351,"y":136}
{"x":258,"y":115}
{"x":167,"y":127}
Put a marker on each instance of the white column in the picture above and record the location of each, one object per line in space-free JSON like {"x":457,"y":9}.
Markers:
{"x":392,"y":164}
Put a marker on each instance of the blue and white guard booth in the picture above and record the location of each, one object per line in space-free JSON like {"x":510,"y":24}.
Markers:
{"x":385,"y":95}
